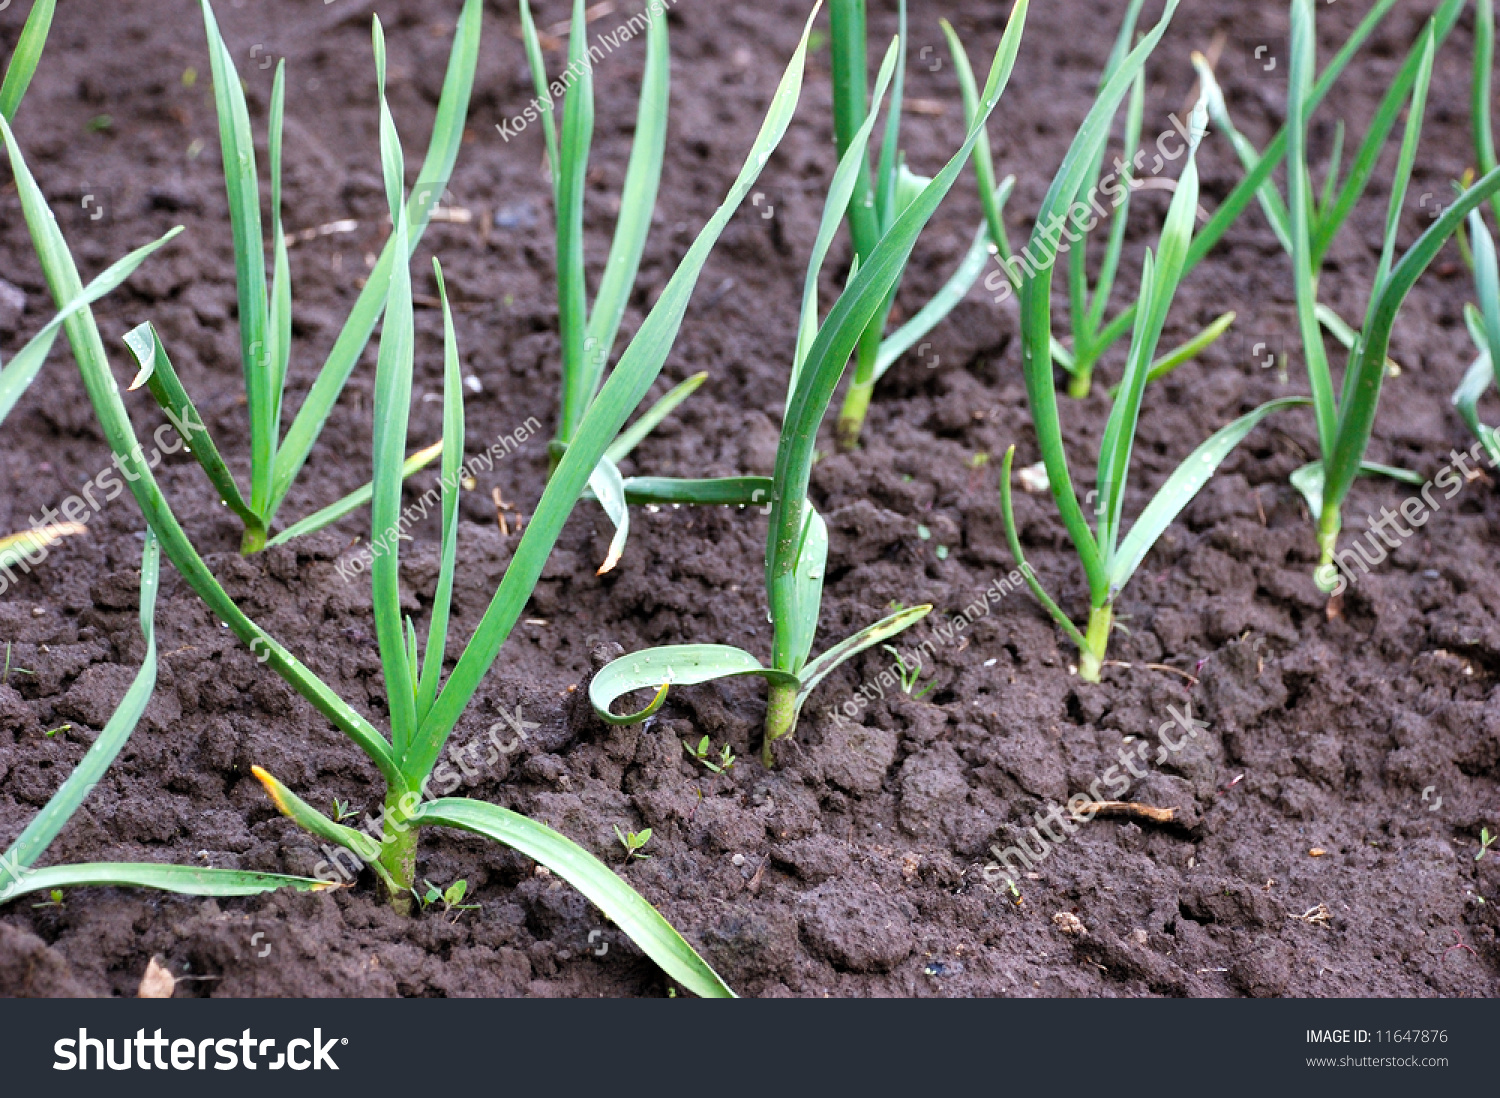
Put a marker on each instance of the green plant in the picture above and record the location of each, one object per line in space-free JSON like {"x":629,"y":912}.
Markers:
{"x":908,"y":675}
{"x":424,"y":709}
{"x":18,"y":878}
{"x":717,"y":764}
{"x":879,"y":198}
{"x":588,"y":334}
{"x":1108,"y":560}
{"x":1483,"y":324}
{"x":28,"y":52}
{"x":1480,"y":116}
{"x":265,"y":309}
{"x":634,"y":842}
{"x":342,"y":811}
{"x":452,"y":897}
{"x":797,"y":539}
{"x":1307,"y":221}
{"x":1092,"y":335}
{"x":1007,"y":280}
{"x":1345,"y":423}
{"x":1486,"y":840}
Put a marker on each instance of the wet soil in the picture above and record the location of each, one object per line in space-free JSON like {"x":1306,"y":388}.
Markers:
{"x":1328,"y":815}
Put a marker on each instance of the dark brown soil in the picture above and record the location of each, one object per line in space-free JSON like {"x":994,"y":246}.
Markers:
{"x":856,"y":867}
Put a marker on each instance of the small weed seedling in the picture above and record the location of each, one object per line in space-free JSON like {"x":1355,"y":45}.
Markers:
{"x":908,"y":675}
{"x":797,"y":540}
{"x":1486,"y":840}
{"x":717,"y":764}
{"x":5,"y":678}
{"x":634,"y":842}
{"x":54,"y":899}
{"x":452,"y":898}
{"x":22,"y":65}
{"x":342,"y":811}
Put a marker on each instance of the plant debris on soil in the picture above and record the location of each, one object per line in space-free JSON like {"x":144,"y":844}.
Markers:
{"x":1322,"y":827}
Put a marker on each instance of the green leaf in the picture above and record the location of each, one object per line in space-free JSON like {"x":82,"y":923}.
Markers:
{"x":59,"y":809}
{"x":659,"y":669}
{"x":846,"y":177}
{"x":1482,"y":87}
{"x":582,"y":362}
{"x":1299,"y":203}
{"x":1191,"y":349}
{"x":627,"y":386}
{"x":1308,"y":480}
{"x":1180,"y":488}
{"x":157,"y":372}
{"x":815,"y":671}
{"x":708,"y":492}
{"x":24,"y":60}
{"x":538,"y":67}
{"x":393,"y":381}
{"x":609,"y":489}
{"x":187,"y":880}
{"x":848,"y":64}
{"x":1013,"y":537}
{"x":637,"y":919}
{"x":794,"y":641}
{"x":638,"y":197}
{"x":279,"y":318}
{"x":453,"y":448}
{"x":243,"y":187}
{"x":1367,"y":368}
{"x":23,"y":368}
{"x":315,"y":823}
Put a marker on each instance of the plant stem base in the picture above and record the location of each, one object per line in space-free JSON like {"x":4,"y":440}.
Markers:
{"x":398,"y":854}
{"x":852,"y":414}
{"x":1091,"y":659}
{"x":781,"y":719}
